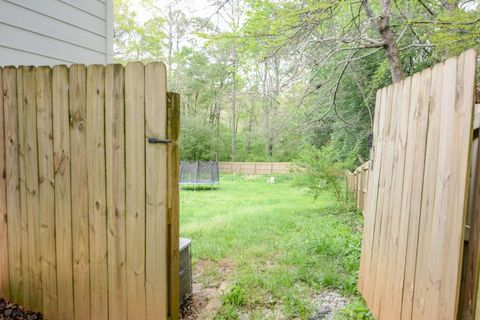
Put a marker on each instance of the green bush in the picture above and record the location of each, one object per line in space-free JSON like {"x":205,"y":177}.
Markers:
{"x":323,"y":169}
{"x":196,"y":141}
{"x":356,"y":310}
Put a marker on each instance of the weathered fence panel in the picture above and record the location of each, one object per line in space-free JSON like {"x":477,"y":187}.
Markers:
{"x":416,"y":204}
{"x":89,"y":191}
{"x":256,"y":167}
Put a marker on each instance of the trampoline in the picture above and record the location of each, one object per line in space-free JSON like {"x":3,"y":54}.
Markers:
{"x":199,"y":174}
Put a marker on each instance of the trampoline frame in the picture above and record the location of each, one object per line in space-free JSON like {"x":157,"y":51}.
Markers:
{"x":202,"y":182}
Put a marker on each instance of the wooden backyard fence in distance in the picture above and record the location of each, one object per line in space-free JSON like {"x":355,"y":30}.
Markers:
{"x":357,"y":183}
{"x":256,"y":167}
{"x":420,"y":250}
{"x":88,"y":195}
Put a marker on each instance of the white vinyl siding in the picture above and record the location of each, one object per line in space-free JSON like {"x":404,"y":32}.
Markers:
{"x":35,"y":32}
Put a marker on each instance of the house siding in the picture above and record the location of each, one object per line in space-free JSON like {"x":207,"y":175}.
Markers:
{"x":48,"y":32}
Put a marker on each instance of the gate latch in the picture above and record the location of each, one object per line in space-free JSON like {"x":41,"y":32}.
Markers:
{"x":156,"y":140}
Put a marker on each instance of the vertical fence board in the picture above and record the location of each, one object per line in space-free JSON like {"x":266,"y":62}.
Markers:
{"x":452,"y":205}
{"x":444,"y":177}
{"x":369,"y":212}
{"x":115,"y":159}
{"x":46,"y":192}
{"x":385,"y":166}
{"x":173,"y":114}
{"x":79,"y":194}
{"x":95,"y":134}
{"x":26,"y":276}
{"x":63,"y":215}
{"x":135,"y":189}
{"x":380,"y":260}
{"x":470,"y":304}
{"x":397,"y":190}
{"x":156,"y":191}
{"x":415,"y":213}
{"x":12,"y":175}
{"x":428,"y":195}
{"x":413,"y":181}
{"x":4,"y":276}
{"x":30,"y":152}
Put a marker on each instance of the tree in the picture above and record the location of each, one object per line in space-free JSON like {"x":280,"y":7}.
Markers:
{"x":267,"y":77}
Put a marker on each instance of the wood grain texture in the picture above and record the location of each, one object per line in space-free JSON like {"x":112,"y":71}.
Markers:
{"x":469,"y":303}
{"x":173,"y":130}
{"x":388,"y":307}
{"x":30,"y":156}
{"x":383,"y":194}
{"x":46,"y":192}
{"x":386,"y":214}
{"x":26,"y":275}
{"x":4,"y":260}
{"x":63,"y":214}
{"x":412,"y":197}
{"x":88,"y":226}
{"x":79,"y":194}
{"x":115,"y":187}
{"x":371,"y":202}
{"x":12,"y":176}
{"x":372,"y":216}
{"x":412,"y":250}
{"x":135,"y":189}
{"x":97,"y":215}
{"x":156,"y":192}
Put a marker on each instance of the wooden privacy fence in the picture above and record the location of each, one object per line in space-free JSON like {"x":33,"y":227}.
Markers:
{"x":357,"y":183}
{"x":256,"y":167}
{"x":88,"y":195}
{"x":417,"y":199}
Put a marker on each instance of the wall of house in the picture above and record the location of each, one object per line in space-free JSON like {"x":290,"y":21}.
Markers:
{"x":48,"y":32}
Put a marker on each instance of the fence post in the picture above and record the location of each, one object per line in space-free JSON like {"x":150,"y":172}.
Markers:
{"x":173,"y":129}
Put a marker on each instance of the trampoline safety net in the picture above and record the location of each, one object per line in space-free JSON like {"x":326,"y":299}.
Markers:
{"x":199,"y":173}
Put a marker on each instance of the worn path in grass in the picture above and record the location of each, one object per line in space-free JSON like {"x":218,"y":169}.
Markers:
{"x":267,"y":251}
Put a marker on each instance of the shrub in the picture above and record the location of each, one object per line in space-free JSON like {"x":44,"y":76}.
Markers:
{"x":323,"y":170}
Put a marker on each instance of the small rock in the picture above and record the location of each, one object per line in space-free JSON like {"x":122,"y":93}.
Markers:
{"x":328,"y":302}
{"x":11,"y":311}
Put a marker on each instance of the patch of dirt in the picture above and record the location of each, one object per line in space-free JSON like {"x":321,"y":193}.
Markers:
{"x":12,"y":311}
{"x":209,"y":284}
{"x":328,"y":302}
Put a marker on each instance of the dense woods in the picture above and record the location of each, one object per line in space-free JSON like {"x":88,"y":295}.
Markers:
{"x":279,"y":80}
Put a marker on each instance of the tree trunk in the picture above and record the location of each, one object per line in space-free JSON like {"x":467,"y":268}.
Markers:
{"x":251,"y":118}
{"x":391,"y":50}
{"x":451,"y":5}
{"x":170,"y":42}
{"x":233,"y":124}
{"x":389,"y":45}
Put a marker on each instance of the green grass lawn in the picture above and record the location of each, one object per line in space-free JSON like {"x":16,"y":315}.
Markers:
{"x":278,"y":247}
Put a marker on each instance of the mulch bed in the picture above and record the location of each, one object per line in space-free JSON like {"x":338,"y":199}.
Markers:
{"x":12,"y":311}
